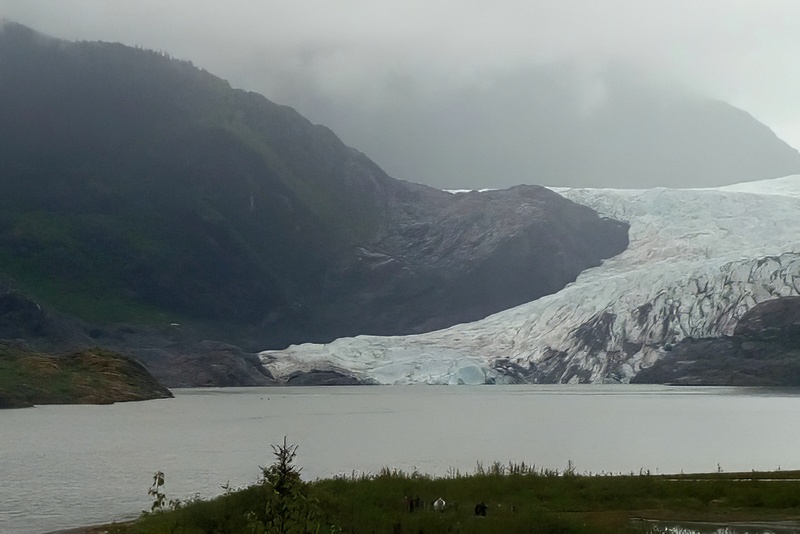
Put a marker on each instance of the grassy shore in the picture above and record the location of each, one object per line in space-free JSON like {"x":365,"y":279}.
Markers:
{"x":518,"y":498}
{"x":89,"y":376}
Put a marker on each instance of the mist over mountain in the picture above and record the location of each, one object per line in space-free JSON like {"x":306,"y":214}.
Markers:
{"x":151,"y":207}
{"x":557,"y":124}
{"x":140,"y":189}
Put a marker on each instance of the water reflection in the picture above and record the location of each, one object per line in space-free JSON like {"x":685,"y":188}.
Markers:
{"x":777,"y":527}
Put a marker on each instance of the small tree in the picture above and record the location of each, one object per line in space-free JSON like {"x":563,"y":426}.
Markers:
{"x":283,"y":478}
{"x":288,"y":509}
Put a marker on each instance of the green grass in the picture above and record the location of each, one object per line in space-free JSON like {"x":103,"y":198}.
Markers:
{"x":518,"y":500}
{"x":93,"y":376}
{"x":100,"y":307}
{"x":58,"y":261}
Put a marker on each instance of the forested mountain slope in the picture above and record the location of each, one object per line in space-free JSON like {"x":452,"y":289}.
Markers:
{"x":137,"y":188}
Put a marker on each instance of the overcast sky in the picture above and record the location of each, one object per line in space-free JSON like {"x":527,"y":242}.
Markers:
{"x":324,"y":55}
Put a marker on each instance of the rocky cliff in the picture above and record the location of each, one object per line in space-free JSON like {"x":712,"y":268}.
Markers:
{"x":441,"y":259}
{"x":764,"y":350}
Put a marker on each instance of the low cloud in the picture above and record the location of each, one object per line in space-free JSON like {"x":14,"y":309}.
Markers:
{"x":353,"y":65}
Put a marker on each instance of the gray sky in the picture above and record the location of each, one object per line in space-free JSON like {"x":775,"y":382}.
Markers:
{"x":345,"y":62}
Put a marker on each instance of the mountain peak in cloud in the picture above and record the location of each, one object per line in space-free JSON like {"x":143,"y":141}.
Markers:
{"x":559,"y":124}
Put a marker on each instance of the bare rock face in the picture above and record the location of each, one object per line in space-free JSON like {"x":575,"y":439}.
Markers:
{"x":205,"y":364}
{"x":763,"y":351}
{"x":772,"y":320}
{"x":453,"y":258}
{"x":318,"y":377}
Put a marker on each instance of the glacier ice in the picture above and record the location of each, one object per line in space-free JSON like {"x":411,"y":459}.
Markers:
{"x":698,"y":260}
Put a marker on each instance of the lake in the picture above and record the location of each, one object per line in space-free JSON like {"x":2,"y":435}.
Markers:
{"x":66,"y":466}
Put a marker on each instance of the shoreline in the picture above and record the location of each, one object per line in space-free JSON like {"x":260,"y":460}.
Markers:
{"x":105,"y":528}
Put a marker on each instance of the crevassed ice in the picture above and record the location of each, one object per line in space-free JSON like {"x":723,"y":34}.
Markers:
{"x":698,"y":259}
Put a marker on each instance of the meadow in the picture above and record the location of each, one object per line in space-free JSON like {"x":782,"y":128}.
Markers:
{"x":517,"y":498}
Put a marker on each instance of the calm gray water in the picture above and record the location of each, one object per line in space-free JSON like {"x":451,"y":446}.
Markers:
{"x":63,"y":466}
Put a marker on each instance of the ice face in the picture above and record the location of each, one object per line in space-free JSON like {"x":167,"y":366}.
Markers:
{"x":698,"y":259}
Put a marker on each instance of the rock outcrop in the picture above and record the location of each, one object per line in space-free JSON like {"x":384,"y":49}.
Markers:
{"x":203,"y":364}
{"x":772,"y":320}
{"x":764,"y":350}
{"x":442,"y":259}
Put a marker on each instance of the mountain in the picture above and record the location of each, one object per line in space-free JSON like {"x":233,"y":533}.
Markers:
{"x":558,"y":124}
{"x":701,"y":295}
{"x":139,"y":189}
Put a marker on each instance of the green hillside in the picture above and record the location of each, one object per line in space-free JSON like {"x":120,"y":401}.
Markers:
{"x":138,"y":187}
{"x":85,"y":377}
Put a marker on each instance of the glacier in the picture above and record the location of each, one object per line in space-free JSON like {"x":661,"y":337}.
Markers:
{"x":698,"y":259}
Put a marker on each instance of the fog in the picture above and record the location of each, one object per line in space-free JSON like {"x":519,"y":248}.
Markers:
{"x":466,"y":93}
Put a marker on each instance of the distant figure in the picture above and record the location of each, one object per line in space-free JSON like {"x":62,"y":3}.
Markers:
{"x":438,"y":504}
{"x":480,"y":509}
{"x":409,"y":505}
